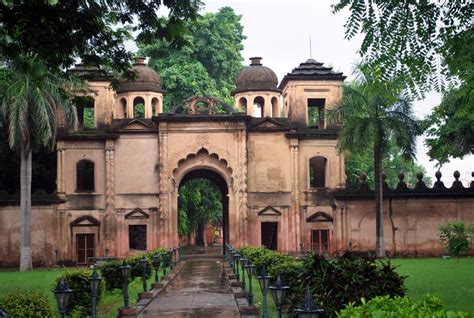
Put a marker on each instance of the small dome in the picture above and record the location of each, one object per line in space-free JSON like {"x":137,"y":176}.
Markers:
{"x":256,"y":78}
{"x":146,"y":79}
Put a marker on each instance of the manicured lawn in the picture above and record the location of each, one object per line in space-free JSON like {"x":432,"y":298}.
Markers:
{"x":449,"y":279}
{"x":42,"y":280}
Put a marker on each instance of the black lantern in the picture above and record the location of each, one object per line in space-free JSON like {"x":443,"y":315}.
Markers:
{"x":125,"y":269}
{"x":237,"y":261}
{"x":3,"y":314}
{"x":164,"y":262}
{"x":264,"y":281}
{"x":63,"y":293}
{"x":94,"y":281}
{"x":308,"y":309}
{"x":279,"y":292}
{"x":143,"y":262}
{"x":156,"y":263}
{"x":243,"y":262}
{"x":232,"y":259}
{"x":250,"y":268}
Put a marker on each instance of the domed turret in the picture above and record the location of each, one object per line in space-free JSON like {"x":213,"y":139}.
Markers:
{"x":256,"y":77}
{"x":146,"y":79}
{"x":141,"y":97}
{"x":257,"y":93}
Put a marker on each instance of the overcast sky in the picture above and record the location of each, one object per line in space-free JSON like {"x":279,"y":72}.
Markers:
{"x":279,"y":31}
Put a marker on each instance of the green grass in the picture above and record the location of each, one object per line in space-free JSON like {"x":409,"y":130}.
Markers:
{"x":41,"y":280}
{"x":449,"y":279}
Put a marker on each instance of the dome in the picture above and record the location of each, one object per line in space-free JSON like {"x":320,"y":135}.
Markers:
{"x":256,"y":78}
{"x":146,"y":79}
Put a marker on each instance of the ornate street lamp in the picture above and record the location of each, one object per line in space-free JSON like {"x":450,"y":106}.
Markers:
{"x":170,"y":255}
{"x":232,"y":258}
{"x":62,"y":293}
{"x":3,"y":314}
{"x":264,"y":281}
{"x":164,"y":262}
{"x":279,"y":292}
{"x":156,"y":264}
{"x":237,"y":261}
{"x":94,"y":281}
{"x":125,"y":269}
{"x":309,"y":309}
{"x":243,"y":262}
{"x":250,"y":268}
{"x":175,"y":255}
{"x":143,"y":262}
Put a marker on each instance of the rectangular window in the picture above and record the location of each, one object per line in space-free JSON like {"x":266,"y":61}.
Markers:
{"x":269,"y":232}
{"x":137,"y":237}
{"x":84,"y":247}
{"x":320,"y":241}
{"x":316,"y":112}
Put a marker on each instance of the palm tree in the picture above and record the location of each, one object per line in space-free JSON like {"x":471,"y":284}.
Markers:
{"x":31,"y":96}
{"x":373,"y":113}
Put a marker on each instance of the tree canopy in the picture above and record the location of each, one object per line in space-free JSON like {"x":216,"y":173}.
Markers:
{"x":208,"y":65}
{"x":59,"y":31}
{"x":415,"y":39}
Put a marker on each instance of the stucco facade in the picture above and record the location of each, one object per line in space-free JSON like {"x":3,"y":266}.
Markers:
{"x":282,"y":179}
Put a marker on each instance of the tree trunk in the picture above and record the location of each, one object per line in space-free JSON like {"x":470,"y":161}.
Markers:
{"x":379,"y":242}
{"x":26,"y":263}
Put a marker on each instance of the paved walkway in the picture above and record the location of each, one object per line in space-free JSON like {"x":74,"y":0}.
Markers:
{"x":199,"y":290}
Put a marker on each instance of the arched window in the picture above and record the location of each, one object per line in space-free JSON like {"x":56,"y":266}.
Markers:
{"x":85,"y":176}
{"x":154,"y":106}
{"x":275,"y":108}
{"x":258,"y":106}
{"x":138,"y":107}
{"x":123,"y":105}
{"x":317,"y":172}
{"x":243,"y":104}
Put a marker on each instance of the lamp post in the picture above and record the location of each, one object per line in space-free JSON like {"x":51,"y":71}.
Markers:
{"x":156,"y":264}
{"x":250,"y":268}
{"x":232,"y":258}
{"x":279,"y":292}
{"x":308,"y":309}
{"x":3,"y":314}
{"x":94,"y":281}
{"x":125,"y":269}
{"x":175,"y":255}
{"x":62,"y":293}
{"x":264,"y":281}
{"x":143,"y":262}
{"x":243,"y":262}
{"x":236,"y":262}
{"x":164,"y":262}
{"x":170,"y":255}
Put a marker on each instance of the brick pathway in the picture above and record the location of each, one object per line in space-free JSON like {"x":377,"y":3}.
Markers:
{"x":199,"y":290}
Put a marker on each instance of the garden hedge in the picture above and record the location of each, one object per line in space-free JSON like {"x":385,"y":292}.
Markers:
{"x":26,"y":304}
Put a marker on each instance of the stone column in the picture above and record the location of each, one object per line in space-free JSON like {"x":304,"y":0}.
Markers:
{"x":295,"y":231}
{"x":243,"y":190}
{"x":110,"y":218}
{"x":60,"y":178}
{"x":164,"y":195}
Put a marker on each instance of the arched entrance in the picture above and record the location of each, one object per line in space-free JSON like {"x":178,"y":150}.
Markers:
{"x":210,"y":166}
{"x":219,"y":181}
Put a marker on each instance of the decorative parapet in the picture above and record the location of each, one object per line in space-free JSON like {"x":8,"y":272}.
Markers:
{"x":439,"y":189}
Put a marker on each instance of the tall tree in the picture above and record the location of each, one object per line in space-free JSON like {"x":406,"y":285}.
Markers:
{"x":362,"y":162}
{"x":374,"y":112}
{"x":93,"y":30}
{"x":429,"y":43}
{"x":208,"y":65}
{"x":200,"y":203}
{"x":31,"y":97}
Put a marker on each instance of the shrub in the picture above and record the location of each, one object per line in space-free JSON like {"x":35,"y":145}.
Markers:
{"x":26,"y":304}
{"x":386,"y":307}
{"x":262,"y":256}
{"x":112,"y":274}
{"x":344,"y":280}
{"x":455,"y":237}
{"x":136,"y":269}
{"x":81,"y":299}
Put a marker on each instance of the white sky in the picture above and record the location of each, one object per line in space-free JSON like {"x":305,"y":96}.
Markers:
{"x":279,"y":31}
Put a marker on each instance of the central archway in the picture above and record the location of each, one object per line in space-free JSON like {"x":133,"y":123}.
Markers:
{"x":219,"y":181}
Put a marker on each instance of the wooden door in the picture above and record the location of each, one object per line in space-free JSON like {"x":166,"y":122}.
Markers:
{"x":84,"y":247}
{"x":320,"y":241}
